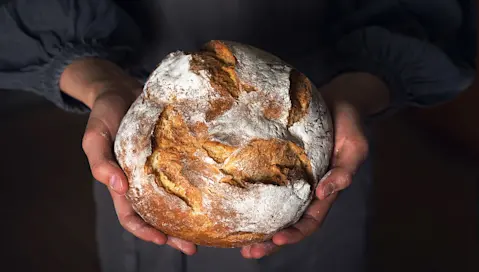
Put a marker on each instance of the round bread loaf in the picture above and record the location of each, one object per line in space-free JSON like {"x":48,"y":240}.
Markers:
{"x":225,"y":146}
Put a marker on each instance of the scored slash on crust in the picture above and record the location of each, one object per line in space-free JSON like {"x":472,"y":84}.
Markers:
{"x":219,"y":62}
{"x":238,"y":184}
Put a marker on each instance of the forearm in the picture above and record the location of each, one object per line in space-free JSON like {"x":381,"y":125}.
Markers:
{"x":41,"y":38}
{"x":367,"y":93}
{"x":86,"y":79}
{"x":414,"y":72}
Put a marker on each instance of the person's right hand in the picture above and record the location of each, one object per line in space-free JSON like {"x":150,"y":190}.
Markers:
{"x":109,"y":92}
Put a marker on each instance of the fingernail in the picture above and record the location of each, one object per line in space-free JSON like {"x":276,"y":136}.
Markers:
{"x":158,"y":241}
{"x":116,"y":184}
{"x":328,"y":189}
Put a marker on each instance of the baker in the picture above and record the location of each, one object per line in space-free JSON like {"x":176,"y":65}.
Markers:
{"x":367,"y":59}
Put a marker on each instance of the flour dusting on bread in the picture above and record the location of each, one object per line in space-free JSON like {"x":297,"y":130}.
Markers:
{"x":214,"y":106}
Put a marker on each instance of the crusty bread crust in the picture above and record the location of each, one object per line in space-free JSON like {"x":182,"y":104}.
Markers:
{"x":225,"y":146}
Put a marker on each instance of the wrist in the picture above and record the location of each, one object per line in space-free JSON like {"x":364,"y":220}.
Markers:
{"x":87,"y":79}
{"x":364,"y":92}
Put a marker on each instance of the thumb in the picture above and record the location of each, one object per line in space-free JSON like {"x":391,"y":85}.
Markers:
{"x":97,"y":142}
{"x":107,"y":113}
{"x":350,"y":151}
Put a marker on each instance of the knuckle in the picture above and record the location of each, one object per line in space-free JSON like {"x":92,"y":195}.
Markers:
{"x":364,"y":148}
{"x":344,"y":179}
{"x":134,"y":226}
{"x":126,"y":224}
{"x":361,"y":150}
{"x":96,"y":132}
{"x":361,"y":145}
{"x":88,"y":139}
{"x":97,"y":170}
{"x":348,"y":179}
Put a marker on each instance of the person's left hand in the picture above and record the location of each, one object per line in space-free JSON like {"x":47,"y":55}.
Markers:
{"x":350,"y":150}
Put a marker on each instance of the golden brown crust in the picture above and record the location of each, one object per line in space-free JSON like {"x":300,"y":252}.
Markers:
{"x":195,"y":227}
{"x":220,"y":75}
{"x":199,"y":186}
{"x":272,"y":110}
{"x":218,"y":151}
{"x":222,"y":51}
{"x":172,"y":145}
{"x":270,"y":162}
{"x":223,"y":78}
{"x":218,"y":107}
{"x":300,"y":95}
{"x":176,"y":169}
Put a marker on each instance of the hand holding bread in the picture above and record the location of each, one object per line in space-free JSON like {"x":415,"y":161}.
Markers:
{"x":108,"y":91}
{"x":223,"y":147}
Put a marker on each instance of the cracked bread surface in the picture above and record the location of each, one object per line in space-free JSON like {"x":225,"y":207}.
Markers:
{"x":225,"y":146}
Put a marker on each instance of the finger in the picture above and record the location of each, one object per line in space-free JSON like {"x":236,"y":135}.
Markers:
{"x":352,"y":153}
{"x":184,"y":246}
{"x":102,"y":126}
{"x":110,"y":108}
{"x":133,"y":223}
{"x":309,"y":223}
{"x":351,"y":150}
{"x":260,"y":250}
{"x":138,"y":227}
{"x":335,"y":180}
{"x":351,"y":146}
{"x":97,"y":142}
{"x":246,"y":252}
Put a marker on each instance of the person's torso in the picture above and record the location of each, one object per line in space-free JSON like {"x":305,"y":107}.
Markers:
{"x":294,"y":30}
{"x":286,"y":28}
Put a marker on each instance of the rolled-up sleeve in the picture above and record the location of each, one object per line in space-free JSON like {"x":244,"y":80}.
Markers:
{"x":40,"y":38}
{"x":417,"y":72}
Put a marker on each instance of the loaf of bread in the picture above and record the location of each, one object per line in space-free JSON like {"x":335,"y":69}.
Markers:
{"x":225,"y":146}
